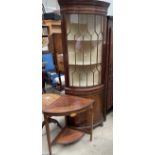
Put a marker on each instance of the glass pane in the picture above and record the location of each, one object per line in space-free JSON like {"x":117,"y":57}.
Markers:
{"x":84,"y":41}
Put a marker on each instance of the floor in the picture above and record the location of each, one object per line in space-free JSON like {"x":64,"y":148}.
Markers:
{"x":102,"y":143}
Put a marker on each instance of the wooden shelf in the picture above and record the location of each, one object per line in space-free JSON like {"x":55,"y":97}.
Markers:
{"x":86,"y":40}
{"x":45,"y":36}
{"x":44,"y":26}
{"x":82,"y":65}
{"x":84,"y":84}
{"x":87,"y":52}
{"x":54,"y":26}
{"x":54,"y":22}
{"x":68,"y":136}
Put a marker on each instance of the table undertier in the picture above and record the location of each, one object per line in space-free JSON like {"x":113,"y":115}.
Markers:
{"x":68,"y":136}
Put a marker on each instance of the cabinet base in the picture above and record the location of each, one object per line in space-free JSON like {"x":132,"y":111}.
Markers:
{"x":82,"y":120}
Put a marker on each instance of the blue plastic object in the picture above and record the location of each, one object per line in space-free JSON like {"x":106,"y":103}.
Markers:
{"x":50,"y":68}
{"x":49,"y":62}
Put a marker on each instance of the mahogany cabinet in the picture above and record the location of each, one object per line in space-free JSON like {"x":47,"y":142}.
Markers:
{"x":109,"y":65}
{"x":58,"y":51}
{"x":54,"y":27}
{"x":58,"y":55}
{"x":55,"y":43}
{"x":84,"y":25}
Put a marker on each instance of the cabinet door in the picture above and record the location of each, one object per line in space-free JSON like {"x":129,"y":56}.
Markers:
{"x":85,"y":37}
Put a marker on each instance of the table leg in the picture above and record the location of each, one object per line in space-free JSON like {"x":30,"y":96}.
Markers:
{"x":91,"y":121}
{"x":51,"y":120}
{"x":48,"y":133}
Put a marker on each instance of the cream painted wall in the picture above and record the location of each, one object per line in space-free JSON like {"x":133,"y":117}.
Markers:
{"x":52,"y":5}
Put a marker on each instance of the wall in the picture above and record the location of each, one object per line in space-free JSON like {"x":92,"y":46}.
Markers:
{"x":52,"y":5}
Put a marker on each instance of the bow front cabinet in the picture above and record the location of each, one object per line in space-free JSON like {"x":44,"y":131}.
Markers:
{"x":84,"y":24}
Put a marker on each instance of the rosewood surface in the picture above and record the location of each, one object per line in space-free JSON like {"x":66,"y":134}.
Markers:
{"x":67,"y":104}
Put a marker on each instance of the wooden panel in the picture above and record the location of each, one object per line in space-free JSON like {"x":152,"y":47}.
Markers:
{"x":109,"y":66}
{"x":57,"y":42}
{"x":55,"y":45}
{"x":84,"y":6}
{"x":82,"y":121}
{"x":60,"y":62}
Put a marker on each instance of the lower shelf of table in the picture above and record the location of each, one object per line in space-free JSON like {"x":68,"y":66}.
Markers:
{"x":68,"y":136}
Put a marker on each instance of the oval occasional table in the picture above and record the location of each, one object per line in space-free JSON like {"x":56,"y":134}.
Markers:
{"x":66,"y":105}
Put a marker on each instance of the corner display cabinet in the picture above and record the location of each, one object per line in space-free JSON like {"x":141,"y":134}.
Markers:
{"x":84,"y":42}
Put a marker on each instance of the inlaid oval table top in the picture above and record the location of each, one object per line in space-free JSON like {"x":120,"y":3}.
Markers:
{"x":58,"y":105}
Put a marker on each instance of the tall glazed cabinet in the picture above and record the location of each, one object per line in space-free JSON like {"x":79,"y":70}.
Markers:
{"x":84,"y":25}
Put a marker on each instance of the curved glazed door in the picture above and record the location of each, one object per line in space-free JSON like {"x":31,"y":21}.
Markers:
{"x":85,"y":37}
